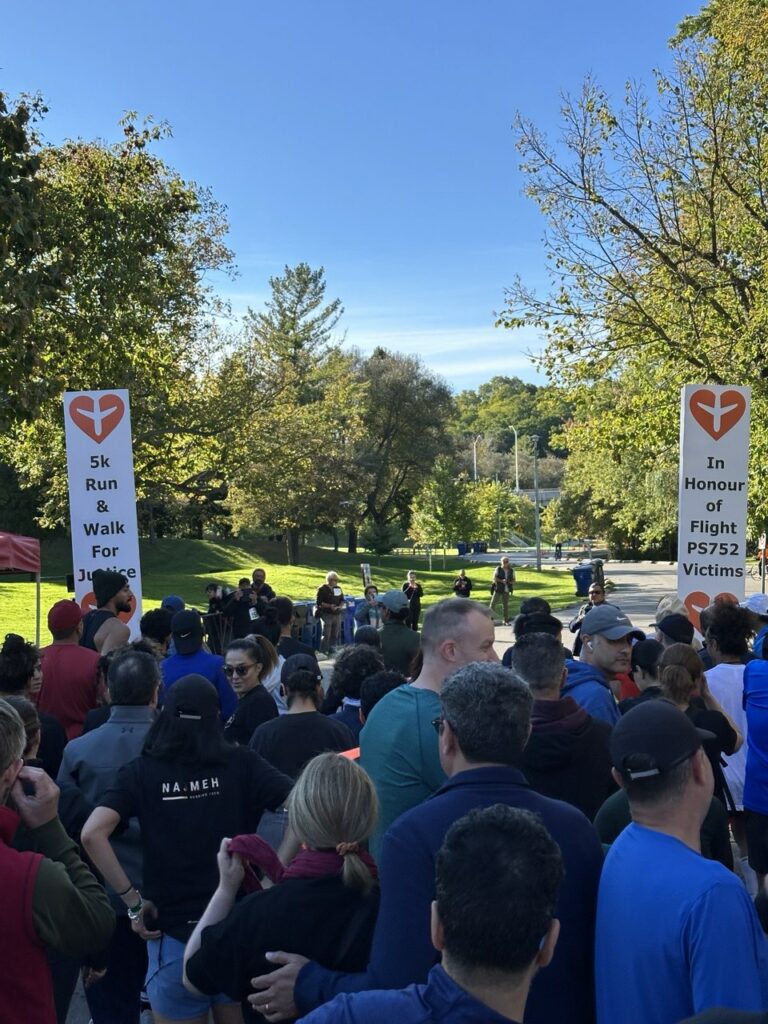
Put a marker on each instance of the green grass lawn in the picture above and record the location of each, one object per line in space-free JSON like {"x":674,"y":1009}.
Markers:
{"x":185,"y":567}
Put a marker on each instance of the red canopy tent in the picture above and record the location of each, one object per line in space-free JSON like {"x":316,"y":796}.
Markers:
{"x":22,"y":554}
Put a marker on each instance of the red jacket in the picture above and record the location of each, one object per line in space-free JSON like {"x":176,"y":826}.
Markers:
{"x":26,"y":991}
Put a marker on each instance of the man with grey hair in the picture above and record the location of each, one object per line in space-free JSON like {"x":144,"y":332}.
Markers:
{"x":567,"y":756}
{"x":398,"y":746}
{"x":482,"y":729}
{"x":49,"y":900}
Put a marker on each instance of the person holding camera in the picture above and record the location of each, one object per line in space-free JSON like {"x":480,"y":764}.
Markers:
{"x":242,"y":609}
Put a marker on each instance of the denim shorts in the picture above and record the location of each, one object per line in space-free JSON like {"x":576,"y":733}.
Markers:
{"x":165,"y":988}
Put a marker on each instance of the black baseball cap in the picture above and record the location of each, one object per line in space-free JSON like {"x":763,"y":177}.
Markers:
{"x":192,"y":697}
{"x":653,"y":738}
{"x":677,"y":627}
{"x":300,"y":663}
{"x":188,"y":631}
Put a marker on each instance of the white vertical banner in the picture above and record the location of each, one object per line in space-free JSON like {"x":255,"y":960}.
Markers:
{"x":102,"y":494}
{"x":712,"y":525}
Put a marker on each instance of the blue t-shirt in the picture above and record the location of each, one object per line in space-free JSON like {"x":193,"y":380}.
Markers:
{"x":756,"y":707}
{"x":440,"y":999}
{"x":204,"y":664}
{"x":759,"y":642}
{"x":676,"y":934}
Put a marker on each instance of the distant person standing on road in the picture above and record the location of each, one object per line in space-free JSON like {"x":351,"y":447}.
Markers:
{"x":462,"y":585}
{"x":596,"y":598}
{"x":502,"y":586}
{"x":414,"y":591}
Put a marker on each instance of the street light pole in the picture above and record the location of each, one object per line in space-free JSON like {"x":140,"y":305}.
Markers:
{"x":535,"y":440}
{"x":517,"y":464}
{"x":474,"y":456}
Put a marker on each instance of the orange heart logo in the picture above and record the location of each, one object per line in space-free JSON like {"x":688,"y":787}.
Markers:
{"x":696,"y":603}
{"x":97,"y":419}
{"x":717,"y":413}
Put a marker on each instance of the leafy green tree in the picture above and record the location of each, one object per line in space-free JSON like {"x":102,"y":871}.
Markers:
{"x":500,"y":510}
{"x":657,"y":213}
{"x":299,"y":406}
{"x":32,"y":273}
{"x":405,"y":419}
{"x":443,"y":512}
{"x":135,"y":312}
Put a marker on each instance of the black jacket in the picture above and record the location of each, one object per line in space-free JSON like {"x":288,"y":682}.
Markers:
{"x":567,"y":756}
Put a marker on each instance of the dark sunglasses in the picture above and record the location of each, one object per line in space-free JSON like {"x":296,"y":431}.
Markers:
{"x":240,"y":670}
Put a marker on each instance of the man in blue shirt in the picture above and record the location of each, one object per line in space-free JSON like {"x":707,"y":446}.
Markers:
{"x":190,"y":659}
{"x":676,"y":934}
{"x":88,"y":769}
{"x":488,"y":959}
{"x":483,"y":727}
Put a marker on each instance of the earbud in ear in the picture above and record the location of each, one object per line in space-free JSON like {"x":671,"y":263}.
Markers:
{"x":589,"y":645}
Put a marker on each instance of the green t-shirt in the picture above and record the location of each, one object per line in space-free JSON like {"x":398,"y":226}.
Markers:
{"x":399,"y":750}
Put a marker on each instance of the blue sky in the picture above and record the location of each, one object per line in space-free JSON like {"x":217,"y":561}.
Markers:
{"x":371,"y":139}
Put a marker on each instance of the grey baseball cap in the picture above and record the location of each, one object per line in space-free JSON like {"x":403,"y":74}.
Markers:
{"x":393,"y":600}
{"x":609,"y":621}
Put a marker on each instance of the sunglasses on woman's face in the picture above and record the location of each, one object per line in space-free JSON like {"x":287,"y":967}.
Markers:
{"x":239,"y":670}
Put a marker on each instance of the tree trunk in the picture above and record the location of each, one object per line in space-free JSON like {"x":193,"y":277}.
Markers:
{"x":352,"y":538}
{"x":335,"y":533}
{"x":292,"y":544}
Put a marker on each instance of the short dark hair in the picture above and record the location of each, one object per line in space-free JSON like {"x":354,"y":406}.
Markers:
{"x":377,"y":686}
{"x":368,"y":636}
{"x":268,"y":625}
{"x":284,"y":610}
{"x":536,"y":622}
{"x":538,"y":660}
{"x":535,"y":606}
{"x":646,"y":655}
{"x":730,"y":627}
{"x":17,"y":663}
{"x":655,"y":789}
{"x":522,"y":867}
{"x":353,"y":665}
{"x":132,"y":679}
{"x":489,"y":711}
{"x":156,"y":624}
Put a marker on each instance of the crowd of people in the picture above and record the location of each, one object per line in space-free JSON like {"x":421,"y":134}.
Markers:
{"x":434,"y":835}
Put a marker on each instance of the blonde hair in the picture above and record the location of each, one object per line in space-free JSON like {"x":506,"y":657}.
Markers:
{"x":331,"y":576}
{"x":335,"y":802}
{"x":13,"y":738}
{"x":680,"y":669}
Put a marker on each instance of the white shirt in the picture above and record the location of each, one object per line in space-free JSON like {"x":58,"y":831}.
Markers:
{"x":727,"y":685}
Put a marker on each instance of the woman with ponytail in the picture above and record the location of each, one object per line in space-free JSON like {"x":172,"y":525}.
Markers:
{"x":323,"y":904}
{"x":292,"y":740}
{"x":247,"y":663}
{"x":682,"y":679}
